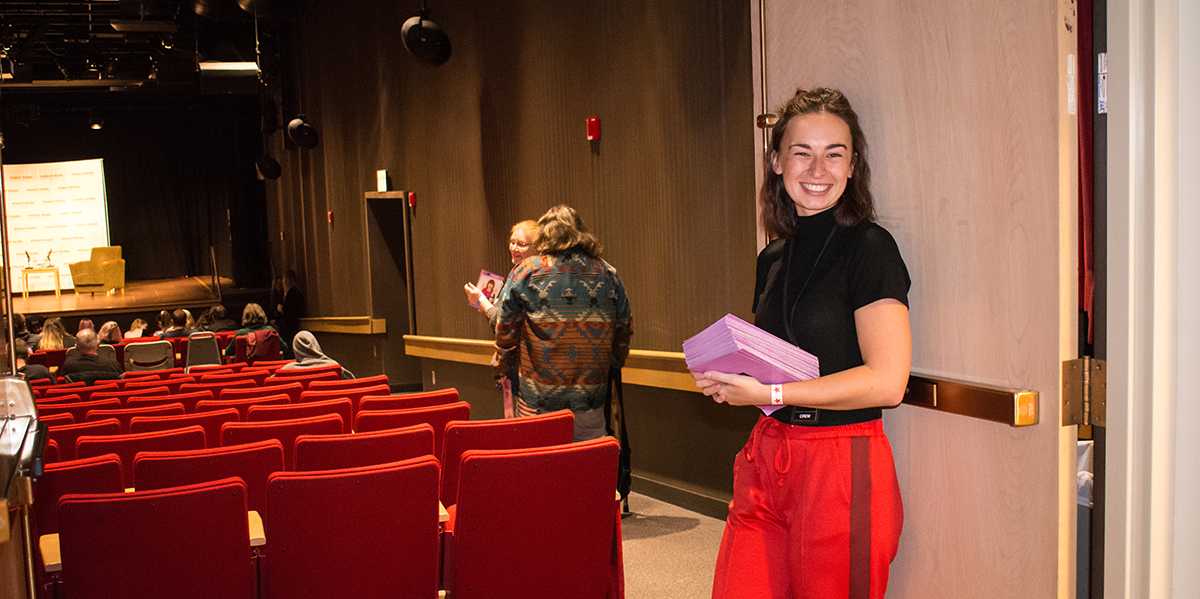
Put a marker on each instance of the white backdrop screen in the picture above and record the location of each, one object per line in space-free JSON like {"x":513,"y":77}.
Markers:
{"x":57,"y":212}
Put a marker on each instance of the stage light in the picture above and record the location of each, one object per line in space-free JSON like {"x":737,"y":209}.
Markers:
{"x":95,"y":122}
{"x":228,"y":69}
{"x":425,"y":40}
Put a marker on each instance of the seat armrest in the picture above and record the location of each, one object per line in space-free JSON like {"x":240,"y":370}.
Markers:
{"x":258,"y":536}
{"x":51,"y":555}
{"x":443,"y":515}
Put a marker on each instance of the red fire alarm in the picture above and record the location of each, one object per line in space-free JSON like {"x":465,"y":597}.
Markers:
{"x":593,"y":128}
{"x":412,"y":199}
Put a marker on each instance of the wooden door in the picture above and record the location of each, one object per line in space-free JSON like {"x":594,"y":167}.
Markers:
{"x":973,"y":157}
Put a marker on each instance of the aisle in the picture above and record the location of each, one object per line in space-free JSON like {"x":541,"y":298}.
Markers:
{"x":670,"y":552}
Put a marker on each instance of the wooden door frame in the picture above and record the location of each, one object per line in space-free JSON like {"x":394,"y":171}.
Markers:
{"x":1152,"y":532}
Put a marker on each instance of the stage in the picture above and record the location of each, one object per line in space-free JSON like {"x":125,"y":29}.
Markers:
{"x":137,"y":297}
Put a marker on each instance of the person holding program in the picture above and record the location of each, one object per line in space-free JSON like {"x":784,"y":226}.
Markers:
{"x":567,"y":308}
{"x":521,"y":245}
{"x":816,"y":508}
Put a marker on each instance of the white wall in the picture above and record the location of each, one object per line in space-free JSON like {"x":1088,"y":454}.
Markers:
{"x":1186,"y":576}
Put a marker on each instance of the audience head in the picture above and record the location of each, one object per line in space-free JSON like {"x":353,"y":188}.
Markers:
{"x":86,"y":324}
{"x":53,"y":334}
{"x":87,"y":342}
{"x":522,"y":243}
{"x":179,"y":319}
{"x":138,"y":325}
{"x":35,"y":323}
{"x":779,"y":216}
{"x":164,"y":320}
{"x":110,"y":332}
{"x":217,"y":312}
{"x":562,"y":229}
{"x":190,"y":322}
{"x":20,"y":350}
{"x":305,"y":346}
{"x":18,"y":322}
{"x":253,"y":316}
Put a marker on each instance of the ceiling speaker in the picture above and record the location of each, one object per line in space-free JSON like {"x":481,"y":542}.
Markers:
{"x":301,"y":133}
{"x":268,"y":167}
{"x":425,"y":40}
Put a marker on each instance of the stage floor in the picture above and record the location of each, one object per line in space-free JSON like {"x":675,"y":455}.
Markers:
{"x":138,"y":296}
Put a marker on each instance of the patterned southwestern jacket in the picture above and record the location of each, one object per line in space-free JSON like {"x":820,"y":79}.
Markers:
{"x":564,"y":320}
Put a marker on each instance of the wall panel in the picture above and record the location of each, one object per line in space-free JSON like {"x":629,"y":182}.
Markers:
{"x":497,"y":135}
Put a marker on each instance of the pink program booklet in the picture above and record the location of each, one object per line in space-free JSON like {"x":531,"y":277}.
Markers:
{"x":489,"y":283}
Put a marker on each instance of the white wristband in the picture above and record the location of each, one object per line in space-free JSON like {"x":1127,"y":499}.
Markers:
{"x":777,"y":395}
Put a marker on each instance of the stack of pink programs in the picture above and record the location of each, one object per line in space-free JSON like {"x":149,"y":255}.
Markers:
{"x":734,"y":346}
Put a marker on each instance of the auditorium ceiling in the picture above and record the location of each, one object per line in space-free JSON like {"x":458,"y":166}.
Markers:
{"x":66,"y":46}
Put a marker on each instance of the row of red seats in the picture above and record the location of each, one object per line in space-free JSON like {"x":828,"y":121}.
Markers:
{"x":54,"y":358}
{"x":271,"y":415}
{"x":363,"y":524}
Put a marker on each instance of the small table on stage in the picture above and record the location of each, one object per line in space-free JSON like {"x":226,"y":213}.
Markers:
{"x":25,"y":272}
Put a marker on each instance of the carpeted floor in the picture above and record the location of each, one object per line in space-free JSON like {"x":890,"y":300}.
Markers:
{"x":670,"y":552}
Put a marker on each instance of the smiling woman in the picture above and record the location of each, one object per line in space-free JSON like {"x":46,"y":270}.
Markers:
{"x":816,"y":482}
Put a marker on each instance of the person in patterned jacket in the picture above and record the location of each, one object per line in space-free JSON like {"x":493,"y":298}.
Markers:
{"x":563,"y":324}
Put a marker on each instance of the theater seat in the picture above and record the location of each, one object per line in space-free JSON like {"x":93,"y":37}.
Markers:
{"x":104,"y":272}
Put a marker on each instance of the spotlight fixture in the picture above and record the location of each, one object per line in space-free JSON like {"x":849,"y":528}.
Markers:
{"x":95,"y":122}
{"x":301,"y":133}
{"x":424,"y":39}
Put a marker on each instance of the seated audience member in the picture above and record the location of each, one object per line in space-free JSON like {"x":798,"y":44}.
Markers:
{"x":253,"y":319}
{"x":20,"y":331}
{"x":136,"y":329}
{"x":178,"y":326}
{"x":217,"y":321}
{"x":110,"y":333}
{"x":35,"y":322}
{"x":54,"y":335}
{"x":191,"y":322}
{"x":31,"y":372}
{"x":86,"y":324}
{"x":309,"y":355}
{"x":164,"y":322}
{"x":87,"y":366}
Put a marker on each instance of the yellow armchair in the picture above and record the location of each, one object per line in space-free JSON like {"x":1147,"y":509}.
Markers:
{"x":103,"y":272}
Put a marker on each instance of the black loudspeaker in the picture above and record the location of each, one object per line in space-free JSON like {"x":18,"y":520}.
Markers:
{"x":301,"y":133}
{"x":268,"y":167}
{"x":425,"y":40}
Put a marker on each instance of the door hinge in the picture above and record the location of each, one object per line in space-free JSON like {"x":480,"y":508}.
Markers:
{"x":1084,"y":385}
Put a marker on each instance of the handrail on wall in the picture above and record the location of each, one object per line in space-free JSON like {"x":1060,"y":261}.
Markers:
{"x":668,"y":370}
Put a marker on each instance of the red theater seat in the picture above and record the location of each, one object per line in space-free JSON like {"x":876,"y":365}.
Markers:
{"x":183,"y":542}
{"x":384,"y":545}
{"x":331,"y":452}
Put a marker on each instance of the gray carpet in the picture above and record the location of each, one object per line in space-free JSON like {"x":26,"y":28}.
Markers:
{"x":670,"y":552}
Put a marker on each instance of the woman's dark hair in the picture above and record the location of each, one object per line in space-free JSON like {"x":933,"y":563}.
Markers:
{"x":778,"y":210}
{"x":560,"y":229}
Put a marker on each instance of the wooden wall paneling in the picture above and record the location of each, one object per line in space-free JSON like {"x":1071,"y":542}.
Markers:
{"x":960,"y":105}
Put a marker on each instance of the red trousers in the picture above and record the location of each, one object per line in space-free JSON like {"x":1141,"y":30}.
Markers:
{"x":815,"y":514}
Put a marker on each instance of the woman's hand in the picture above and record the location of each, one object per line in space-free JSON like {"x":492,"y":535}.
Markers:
{"x":475,"y":296}
{"x":733,"y":389}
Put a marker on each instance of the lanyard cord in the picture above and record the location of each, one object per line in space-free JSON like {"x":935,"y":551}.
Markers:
{"x":787,"y":322}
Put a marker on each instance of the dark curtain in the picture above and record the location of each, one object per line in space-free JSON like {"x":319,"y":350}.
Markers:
{"x":179,"y":175}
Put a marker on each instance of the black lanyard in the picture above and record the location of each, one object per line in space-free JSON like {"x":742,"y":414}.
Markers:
{"x":787,"y":321}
